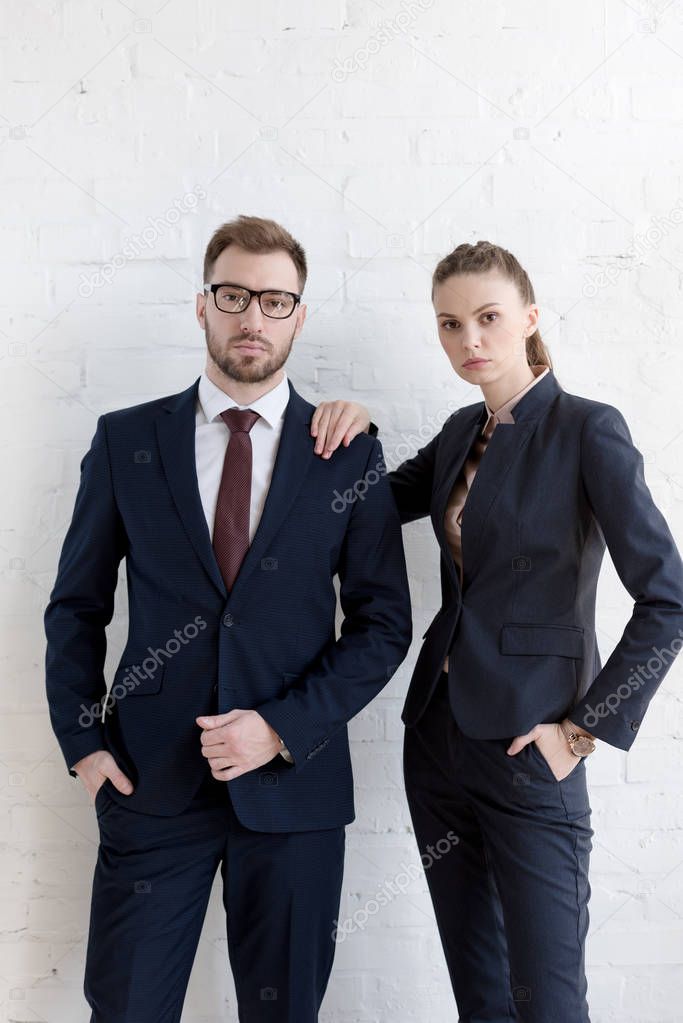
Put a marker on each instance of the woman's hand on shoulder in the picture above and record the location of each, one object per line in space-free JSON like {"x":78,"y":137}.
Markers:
{"x":337,"y":422}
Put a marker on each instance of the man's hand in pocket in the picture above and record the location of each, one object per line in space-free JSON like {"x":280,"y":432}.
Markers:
{"x":94,"y":769}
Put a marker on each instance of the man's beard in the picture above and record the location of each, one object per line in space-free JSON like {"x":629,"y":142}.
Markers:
{"x":241,"y":367}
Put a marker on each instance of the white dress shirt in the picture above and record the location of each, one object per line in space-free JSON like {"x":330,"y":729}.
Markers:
{"x":211,"y":440}
{"x":212,"y":437}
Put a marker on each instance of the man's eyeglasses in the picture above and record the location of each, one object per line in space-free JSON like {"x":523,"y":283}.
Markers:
{"x":233,"y":298}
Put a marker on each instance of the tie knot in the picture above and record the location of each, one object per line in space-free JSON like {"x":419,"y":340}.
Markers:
{"x":239,"y":420}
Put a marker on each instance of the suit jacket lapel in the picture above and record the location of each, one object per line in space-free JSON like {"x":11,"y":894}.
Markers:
{"x":176,"y":438}
{"x":502,"y":452}
{"x":294,"y":458}
{"x":453,"y":449}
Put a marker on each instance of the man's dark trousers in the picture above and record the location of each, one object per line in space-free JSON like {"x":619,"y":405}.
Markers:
{"x":510,"y":885}
{"x":153,"y":878}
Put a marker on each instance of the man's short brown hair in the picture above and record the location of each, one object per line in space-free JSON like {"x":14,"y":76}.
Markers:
{"x":255,"y":234}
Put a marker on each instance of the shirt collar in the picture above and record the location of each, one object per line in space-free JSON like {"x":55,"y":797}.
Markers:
{"x":504,"y":413}
{"x":270,"y":406}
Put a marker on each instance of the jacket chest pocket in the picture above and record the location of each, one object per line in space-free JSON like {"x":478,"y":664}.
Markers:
{"x":137,"y":680}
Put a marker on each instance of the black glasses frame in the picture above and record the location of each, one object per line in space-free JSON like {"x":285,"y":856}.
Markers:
{"x":266,"y":291}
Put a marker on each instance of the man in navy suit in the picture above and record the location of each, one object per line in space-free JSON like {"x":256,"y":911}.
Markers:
{"x":222,"y":741}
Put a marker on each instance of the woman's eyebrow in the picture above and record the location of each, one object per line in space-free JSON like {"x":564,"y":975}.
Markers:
{"x":474,"y":312}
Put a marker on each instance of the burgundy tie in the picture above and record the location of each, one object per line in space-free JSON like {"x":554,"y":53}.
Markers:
{"x":231,"y":524}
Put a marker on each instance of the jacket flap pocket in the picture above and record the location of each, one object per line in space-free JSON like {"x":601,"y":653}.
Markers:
{"x":527,"y":638}
{"x":135,"y":680}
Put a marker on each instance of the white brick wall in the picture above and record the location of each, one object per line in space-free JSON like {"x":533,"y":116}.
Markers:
{"x":381,"y":134}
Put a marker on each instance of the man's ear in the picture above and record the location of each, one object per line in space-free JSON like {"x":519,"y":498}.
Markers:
{"x":300,"y":320}
{"x":200,"y":307}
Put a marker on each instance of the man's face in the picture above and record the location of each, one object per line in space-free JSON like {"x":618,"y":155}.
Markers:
{"x":249,"y":346}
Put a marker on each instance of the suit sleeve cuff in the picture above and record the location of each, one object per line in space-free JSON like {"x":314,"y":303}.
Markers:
{"x":75,"y":747}
{"x":284,"y":720}
{"x":613,"y":729}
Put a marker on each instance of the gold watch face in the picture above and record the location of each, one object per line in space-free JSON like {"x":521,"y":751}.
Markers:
{"x":582,"y":745}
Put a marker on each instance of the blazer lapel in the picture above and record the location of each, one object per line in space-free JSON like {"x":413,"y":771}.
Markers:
{"x":502,"y":453}
{"x":461,"y":435}
{"x":176,"y":438}
{"x":293,"y":459}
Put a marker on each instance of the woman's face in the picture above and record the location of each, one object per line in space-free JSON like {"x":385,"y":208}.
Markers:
{"x":483,"y":325}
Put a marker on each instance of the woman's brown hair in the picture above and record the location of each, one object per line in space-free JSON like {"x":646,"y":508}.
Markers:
{"x":484,"y":256}
{"x":255,"y":234}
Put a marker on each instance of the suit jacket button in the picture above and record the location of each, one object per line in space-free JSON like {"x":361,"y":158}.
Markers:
{"x":635,"y":726}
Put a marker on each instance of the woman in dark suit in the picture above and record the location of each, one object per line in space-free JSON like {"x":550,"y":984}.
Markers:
{"x":508,"y":696}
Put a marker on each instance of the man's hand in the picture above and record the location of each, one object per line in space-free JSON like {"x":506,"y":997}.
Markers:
{"x":96,"y":767}
{"x":237,"y":742}
{"x":553,"y":746}
{"x":336,"y":422}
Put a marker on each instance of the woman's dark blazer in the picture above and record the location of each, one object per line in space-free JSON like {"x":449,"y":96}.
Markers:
{"x":551,"y":491}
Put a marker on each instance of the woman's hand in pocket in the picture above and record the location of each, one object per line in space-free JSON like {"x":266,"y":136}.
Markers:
{"x":553,"y":746}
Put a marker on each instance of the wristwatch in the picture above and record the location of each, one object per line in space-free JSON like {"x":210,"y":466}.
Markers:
{"x":581,"y":745}
{"x":284,"y":752}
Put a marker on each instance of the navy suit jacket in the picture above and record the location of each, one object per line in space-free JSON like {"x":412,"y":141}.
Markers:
{"x":192,"y":648}
{"x":550,"y":492}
